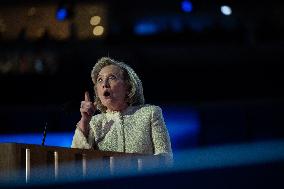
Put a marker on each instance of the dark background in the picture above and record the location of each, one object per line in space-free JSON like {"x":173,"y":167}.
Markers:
{"x":219,"y":80}
{"x":228,"y":68}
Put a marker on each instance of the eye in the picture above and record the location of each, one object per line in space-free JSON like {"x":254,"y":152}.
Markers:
{"x":99,"y":80}
{"x":112,"y":77}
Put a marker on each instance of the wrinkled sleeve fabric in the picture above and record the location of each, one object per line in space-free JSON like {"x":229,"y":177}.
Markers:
{"x":82,"y":142}
{"x":160,"y":135}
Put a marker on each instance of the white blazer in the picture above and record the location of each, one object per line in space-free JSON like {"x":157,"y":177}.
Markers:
{"x":138,"y":129}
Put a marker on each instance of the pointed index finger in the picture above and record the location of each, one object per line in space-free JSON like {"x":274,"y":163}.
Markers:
{"x":87,"y":97}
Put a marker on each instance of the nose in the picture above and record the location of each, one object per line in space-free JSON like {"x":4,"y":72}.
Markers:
{"x":105,"y":83}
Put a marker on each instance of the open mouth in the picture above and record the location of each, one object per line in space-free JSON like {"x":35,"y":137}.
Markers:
{"x":106,"y":94}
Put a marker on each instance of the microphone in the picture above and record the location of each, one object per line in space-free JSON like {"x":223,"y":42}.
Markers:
{"x":44,"y":134}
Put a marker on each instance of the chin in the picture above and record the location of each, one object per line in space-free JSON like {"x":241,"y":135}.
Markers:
{"x":107,"y":104}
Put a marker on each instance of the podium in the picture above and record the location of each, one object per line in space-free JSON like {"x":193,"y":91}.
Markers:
{"x":31,"y":163}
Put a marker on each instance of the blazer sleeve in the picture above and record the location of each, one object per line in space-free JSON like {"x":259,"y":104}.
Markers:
{"x":82,"y":142}
{"x":160,"y":135}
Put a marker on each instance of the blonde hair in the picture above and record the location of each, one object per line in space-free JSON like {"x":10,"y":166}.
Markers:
{"x":135,"y":95}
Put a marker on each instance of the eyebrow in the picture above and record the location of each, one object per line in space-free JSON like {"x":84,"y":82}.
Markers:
{"x":116,"y":74}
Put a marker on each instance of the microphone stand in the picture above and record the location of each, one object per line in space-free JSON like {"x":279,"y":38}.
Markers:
{"x":44,"y":134}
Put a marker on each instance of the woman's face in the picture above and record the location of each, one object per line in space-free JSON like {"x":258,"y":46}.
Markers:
{"x":111,"y":88}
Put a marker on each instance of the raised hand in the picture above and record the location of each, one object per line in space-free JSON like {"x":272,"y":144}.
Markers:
{"x":87,"y":110}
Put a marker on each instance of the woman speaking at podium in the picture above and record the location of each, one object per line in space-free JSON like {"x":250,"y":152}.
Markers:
{"x":125,"y":123}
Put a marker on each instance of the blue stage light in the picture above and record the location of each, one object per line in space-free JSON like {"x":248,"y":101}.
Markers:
{"x":145,"y":28}
{"x":61,"y":14}
{"x":226,"y":10}
{"x":183,"y":125}
{"x":52,"y":139}
{"x":186,"y":6}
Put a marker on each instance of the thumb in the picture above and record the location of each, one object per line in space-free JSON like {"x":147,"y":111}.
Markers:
{"x":87,"y":96}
